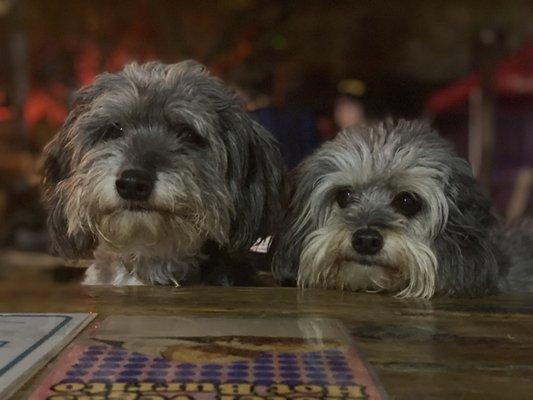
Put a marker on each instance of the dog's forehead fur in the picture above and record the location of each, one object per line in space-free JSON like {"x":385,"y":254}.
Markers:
{"x":153,"y":90}
{"x":150,"y":99}
{"x":386,"y":155}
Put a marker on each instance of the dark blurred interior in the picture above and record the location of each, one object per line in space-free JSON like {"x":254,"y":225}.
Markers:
{"x":303,"y":68}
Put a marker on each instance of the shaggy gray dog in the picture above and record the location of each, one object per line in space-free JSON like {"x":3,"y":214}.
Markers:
{"x":392,"y":208}
{"x":159,"y":176}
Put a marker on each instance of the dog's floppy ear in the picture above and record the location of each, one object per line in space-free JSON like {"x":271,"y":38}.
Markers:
{"x":468,"y":261}
{"x":297,"y":222}
{"x":254,"y":164}
{"x":55,"y":169}
{"x":255,"y":177}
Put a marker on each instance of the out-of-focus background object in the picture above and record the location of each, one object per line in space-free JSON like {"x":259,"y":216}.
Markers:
{"x":489,"y":116}
{"x":304,"y":69}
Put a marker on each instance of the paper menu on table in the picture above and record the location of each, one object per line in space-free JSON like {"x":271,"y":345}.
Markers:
{"x":211,"y":358}
{"x":28,"y":341}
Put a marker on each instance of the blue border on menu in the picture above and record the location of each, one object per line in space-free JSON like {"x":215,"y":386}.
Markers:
{"x":21,"y":356}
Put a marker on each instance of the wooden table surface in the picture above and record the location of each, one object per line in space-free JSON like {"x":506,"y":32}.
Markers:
{"x":445,"y":348}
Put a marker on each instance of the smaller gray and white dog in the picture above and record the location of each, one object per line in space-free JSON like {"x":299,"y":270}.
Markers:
{"x":159,"y":176}
{"x":391,"y":208}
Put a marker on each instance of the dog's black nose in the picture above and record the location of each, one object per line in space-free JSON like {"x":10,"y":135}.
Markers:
{"x":367,"y":241}
{"x":135,"y":184}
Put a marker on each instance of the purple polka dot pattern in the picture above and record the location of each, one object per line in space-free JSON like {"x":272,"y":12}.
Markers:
{"x":99,"y":363}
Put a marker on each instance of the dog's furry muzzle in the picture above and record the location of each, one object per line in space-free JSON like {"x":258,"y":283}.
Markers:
{"x":403,"y":266}
{"x":189,"y":202}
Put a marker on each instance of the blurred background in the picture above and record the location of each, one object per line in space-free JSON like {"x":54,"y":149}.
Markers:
{"x":304,"y":69}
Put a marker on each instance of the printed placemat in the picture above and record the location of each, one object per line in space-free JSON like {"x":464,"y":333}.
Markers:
{"x":155,"y":358}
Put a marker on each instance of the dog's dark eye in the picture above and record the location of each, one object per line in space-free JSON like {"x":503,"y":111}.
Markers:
{"x":192,"y":137}
{"x":406,"y":203}
{"x":343,"y":197}
{"x":189,"y":135}
{"x":112,"y":132}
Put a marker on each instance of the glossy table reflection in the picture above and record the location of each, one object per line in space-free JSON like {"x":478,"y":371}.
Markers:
{"x":446,"y":348}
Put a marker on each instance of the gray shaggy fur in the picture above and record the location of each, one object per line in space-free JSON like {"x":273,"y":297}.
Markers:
{"x":217,"y":177}
{"x":447,"y":248}
{"x":516,"y":241}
